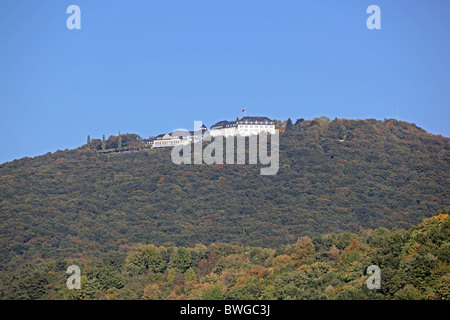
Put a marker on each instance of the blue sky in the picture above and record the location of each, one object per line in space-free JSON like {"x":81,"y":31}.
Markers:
{"x":149,"y":67}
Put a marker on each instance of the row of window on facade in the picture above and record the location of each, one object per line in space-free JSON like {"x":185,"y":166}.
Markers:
{"x":175,"y":141}
{"x":250,"y":126}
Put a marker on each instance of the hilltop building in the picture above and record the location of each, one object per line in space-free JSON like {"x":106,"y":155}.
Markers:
{"x":176,"y":138}
{"x":244,"y":127}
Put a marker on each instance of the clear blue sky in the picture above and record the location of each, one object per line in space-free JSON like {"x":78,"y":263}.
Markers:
{"x":149,"y":67}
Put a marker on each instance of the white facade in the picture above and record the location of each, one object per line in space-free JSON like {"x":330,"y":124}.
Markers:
{"x":242,"y":130}
{"x":245,"y":127}
{"x":249,"y":129}
{"x":230,"y":131}
{"x":168,"y":141}
{"x":177,"y":137}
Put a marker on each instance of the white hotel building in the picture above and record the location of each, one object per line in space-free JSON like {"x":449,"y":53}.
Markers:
{"x":177,"y":137}
{"x":244,"y":127}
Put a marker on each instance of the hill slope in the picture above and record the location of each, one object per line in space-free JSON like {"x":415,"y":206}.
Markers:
{"x":384,"y":173}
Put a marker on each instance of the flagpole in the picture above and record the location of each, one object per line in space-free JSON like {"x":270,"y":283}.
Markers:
{"x":244,"y":112}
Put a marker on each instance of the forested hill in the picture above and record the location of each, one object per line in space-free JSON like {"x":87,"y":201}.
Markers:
{"x":334,"y":176}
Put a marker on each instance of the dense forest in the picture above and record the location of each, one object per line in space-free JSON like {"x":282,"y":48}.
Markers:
{"x":414,"y":265}
{"x":337,"y":179}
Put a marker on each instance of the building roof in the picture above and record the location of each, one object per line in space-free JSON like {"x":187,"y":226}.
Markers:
{"x":180,"y":134}
{"x":255,"y":120}
{"x":165,"y":136}
{"x":245,"y":120}
{"x":223,"y":124}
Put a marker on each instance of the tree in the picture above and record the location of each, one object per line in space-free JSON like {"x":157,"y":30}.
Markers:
{"x":88,"y":141}
{"x":333,"y":253}
{"x":246,"y":288}
{"x":304,"y":249}
{"x":152,"y":292}
{"x":205,"y":266}
{"x":298,"y":124}
{"x":408,"y":293}
{"x":190,"y":275}
{"x":108,"y":278}
{"x":119,"y":143}
{"x":130,"y":139}
{"x":212,"y":293}
{"x":269,"y":293}
{"x":171,"y":275}
{"x":442,"y":289}
{"x":35,"y":284}
{"x":90,"y":286}
{"x":289,"y":125}
{"x":280,"y":125}
{"x":282,"y":261}
{"x":103,"y":143}
{"x":134,"y":262}
{"x":183,"y":259}
{"x":152,"y":259}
